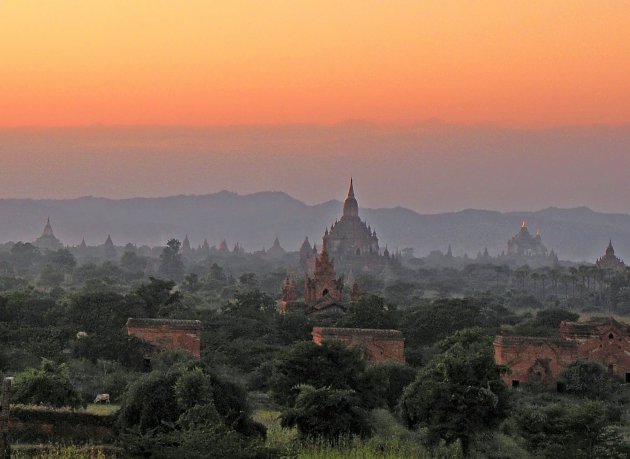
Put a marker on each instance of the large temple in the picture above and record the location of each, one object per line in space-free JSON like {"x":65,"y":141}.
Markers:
{"x":48,"y":241}
{"x":524,"y":244}
{"x":352,"y":242}
{"x":351,"y":235}
{"x":610,"y":260}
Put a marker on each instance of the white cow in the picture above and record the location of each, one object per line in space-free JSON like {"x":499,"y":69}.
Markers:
{"x":102,"y":398}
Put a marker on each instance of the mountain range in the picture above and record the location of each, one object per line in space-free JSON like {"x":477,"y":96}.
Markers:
{"x":254,"y":220}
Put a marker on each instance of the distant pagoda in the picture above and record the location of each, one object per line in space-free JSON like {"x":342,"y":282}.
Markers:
{"x":276,"y":249}
{"x":610,"y":260}
{"x":524,"y":244}
{"x":48,"y":241}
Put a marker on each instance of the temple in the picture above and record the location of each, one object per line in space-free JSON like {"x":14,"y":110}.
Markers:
{"x":324,"y":284}
{"x":542,"y":360}
{"x":524,"y":244}
{"x":276,"y":249}
{"x":352,"y":242}
{"x":610,"y":260}
{"x":351,"y":235}
{"x":323,"y":292}
{"x":48,"y":241}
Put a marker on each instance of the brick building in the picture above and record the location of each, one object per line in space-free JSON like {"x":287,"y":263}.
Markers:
{"x":530,"y":359}
{"x":168,"y":334}
{"x":377,"y":345}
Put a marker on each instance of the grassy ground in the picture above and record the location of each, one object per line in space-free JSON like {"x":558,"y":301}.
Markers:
{"x":101,"y":409}
{"x":64,"y":452}
{"x":391,"y":441}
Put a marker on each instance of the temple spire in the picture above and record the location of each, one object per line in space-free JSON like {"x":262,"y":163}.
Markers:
{"x":48,"y":231}
{"x":350,"y":206}
{"x":351,"y":190}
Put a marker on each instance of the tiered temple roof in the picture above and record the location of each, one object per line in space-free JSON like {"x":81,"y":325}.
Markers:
{"x":351,"y":235}
{"x":610,"y":260}
{"x":48,"y":241}
{"x":524,"y":244}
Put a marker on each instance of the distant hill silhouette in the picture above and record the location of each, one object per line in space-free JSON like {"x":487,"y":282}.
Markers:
{"x":254,"y":220}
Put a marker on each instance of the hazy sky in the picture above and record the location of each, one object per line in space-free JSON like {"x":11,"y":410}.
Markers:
{"x":504,"y":78}
{"x":429,"y":168}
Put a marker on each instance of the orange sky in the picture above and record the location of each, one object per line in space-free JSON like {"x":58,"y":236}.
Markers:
{"x":518,"y":63}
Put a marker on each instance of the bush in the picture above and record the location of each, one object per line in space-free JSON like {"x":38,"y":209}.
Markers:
{"x":327,"y":413}
{"x":385,"y":383}
{"x":49,"y":385}
{"x":329,"y":365}
{"x":589,"y":379}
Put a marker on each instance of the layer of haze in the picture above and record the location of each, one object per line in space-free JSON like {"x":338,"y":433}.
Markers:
{"x":429,"y":167}
{"x":233,"y":62}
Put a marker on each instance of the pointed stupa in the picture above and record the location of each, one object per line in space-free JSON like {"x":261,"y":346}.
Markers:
{"x":48,"y":231}
{"x":306,"y":245}
{"x":276,"y":249}
{"x":186,"y":246}
{"x":109,"y":250}
{"x":48,"y":241}
{"x":83,"y":245}
{"x":350,"y":206}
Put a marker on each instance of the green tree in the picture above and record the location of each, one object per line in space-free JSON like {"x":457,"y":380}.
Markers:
{"x":132,"y":262}
{"x":160,"y":299}
{"x":369,"y":312}
{"x":459,"y":393}
{"x":50,"y":276}
{"x":576,"y":430}
{"x":329,"y":365}
{"x":171,"y":264}
{"x":62,"y":260}
{"x":24,"y":256}
{"x":387,"y":382}
{"x":589,"y":379}
{"x":327,"y":413}
{"x":49,"y":385}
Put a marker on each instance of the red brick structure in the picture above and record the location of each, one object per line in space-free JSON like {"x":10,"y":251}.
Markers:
{"x":168,"y":334}
{"x":377,"y":345}
{"x":324,"y":285}
{"x":530,"y":359}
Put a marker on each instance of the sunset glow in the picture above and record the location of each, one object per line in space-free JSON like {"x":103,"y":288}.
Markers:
{"x":534,"y":64}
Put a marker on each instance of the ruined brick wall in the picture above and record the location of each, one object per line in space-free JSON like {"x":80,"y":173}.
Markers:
{"x":377,"y":345}
{"x":533,"y":359}
{"x":606,"y":342}
{"x":167,"y":335}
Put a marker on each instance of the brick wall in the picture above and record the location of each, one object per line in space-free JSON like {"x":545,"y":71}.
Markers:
{"x":377,"y":345}
{"x":530,"y":359}
{"x":168,"y":335}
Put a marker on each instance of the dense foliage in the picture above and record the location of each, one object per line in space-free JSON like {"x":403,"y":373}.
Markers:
{"x":70,"y":308}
